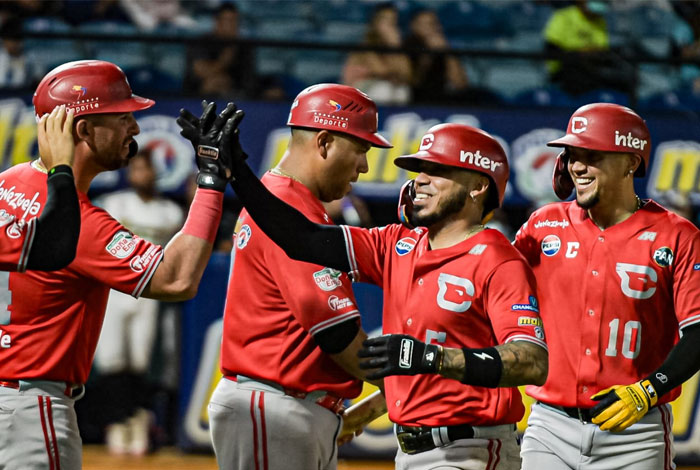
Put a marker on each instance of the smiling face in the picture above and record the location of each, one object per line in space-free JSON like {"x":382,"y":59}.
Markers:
{"x":597,"y":175}
{"x":441,"y":192}
{"x":346,"y":159}
{"x":110,"y":136}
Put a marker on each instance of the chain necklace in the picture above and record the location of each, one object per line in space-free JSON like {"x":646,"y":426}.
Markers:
{"x":639,"y":203}
{"x":280,"y":172}
{"x":475,"y":229}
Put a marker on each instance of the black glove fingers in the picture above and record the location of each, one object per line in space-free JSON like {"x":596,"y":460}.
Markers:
{"x":208,"y":117}
{"x":605,"y":401}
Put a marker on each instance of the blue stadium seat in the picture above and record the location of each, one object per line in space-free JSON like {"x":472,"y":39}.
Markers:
{"x":511,"y":77}
{"x":545,"y":96}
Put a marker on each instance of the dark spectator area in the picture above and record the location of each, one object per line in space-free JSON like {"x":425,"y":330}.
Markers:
{"x":643,"y":53}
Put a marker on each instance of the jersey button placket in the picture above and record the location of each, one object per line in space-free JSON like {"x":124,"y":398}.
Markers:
{"x":593,"y":286}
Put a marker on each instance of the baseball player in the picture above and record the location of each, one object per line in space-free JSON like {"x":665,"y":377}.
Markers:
{"x":292,"y":330}
{"x":51,"y":320}
{"x":123,"y":353}
{"x":460,"y":311}
{"x":618,"y":282}
{"x":46,"y":242}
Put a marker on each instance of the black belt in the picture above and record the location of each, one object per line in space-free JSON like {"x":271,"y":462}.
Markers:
{"x":582,"y":414}
{"x":416,"y":439}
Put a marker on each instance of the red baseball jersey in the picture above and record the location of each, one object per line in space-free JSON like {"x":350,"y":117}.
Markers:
{"x":476,"y":294}
{"x":50,"y":321}
{"x":612,"y":300}
{"x":17,"y":227}
{"x":275,"y":304}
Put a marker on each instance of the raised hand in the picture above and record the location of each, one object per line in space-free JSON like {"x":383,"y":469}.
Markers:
{"x":55,"y":137}
{"x":230,"y":145}
{"x":205,"y":135}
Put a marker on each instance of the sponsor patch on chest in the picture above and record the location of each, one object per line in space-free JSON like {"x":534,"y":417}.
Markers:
{"x":404,"y":246}
{"x":550,"y":245}
{"x":663,"y":257}
{"x":122,"y":245}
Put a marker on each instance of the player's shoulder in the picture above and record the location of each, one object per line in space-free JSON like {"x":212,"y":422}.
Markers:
{"x":493,"y":243}
{"x":24,"y":172}
{"x":658,"y":215}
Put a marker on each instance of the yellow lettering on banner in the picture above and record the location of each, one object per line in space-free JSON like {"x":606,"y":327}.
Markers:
{"x":24,"y":139}
{"x":685,"y":405}
{"x":678,"y":170}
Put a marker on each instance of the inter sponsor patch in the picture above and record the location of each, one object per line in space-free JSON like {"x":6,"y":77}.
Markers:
{"x":550,"y":245}
{"x":122,"y":245}
{"x":338,"y":304}
{"x":531,"y":306}
{"x":663,"y":257}
{"x":405,"y":246}
{"x":243,"y":236}
{"x":328,"y":279}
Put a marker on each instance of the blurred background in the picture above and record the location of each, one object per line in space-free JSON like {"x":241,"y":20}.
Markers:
{"x":517,"y":69}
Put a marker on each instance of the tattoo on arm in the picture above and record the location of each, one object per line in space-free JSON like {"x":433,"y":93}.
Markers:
{"x":523,"y":363}
{"x":453,"y":364}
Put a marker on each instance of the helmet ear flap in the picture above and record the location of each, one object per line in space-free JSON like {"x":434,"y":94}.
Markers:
{"x":406,"y":196}
{"x":562,"y":183}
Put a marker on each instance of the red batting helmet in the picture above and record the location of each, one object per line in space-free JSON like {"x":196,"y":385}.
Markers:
{"x":604,"y":127}
{"x":87,"y":87}
{"x":338,"y":108}
{"x":462,"y":146}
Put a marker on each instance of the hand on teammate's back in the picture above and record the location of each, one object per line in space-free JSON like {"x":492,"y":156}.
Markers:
{"x":205,"y":135}
{"x":55,"y":137}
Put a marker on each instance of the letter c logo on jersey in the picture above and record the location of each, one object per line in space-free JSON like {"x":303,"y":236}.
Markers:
{"x":405,"y":246}
{"x":637,"y":282}
{"x":455,"y":293}
{"x":550,"y":245}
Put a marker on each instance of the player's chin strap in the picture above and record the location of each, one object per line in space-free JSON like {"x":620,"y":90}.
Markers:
{"x":406,"y":196}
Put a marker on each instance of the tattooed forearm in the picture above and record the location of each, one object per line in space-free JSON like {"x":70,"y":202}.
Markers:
{"x":523,"y":363}
{"x":453,"y":364}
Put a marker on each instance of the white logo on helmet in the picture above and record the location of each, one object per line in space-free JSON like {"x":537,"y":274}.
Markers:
{"x":427,"y":142}
{"x":478,"y":160}
{"x":629,"y":141}
{"x":579,"y":124}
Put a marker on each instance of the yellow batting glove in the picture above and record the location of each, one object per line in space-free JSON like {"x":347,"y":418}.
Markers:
{"x":623,"y":405}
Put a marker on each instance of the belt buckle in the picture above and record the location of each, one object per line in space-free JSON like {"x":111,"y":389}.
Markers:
{"x":402,"y":444}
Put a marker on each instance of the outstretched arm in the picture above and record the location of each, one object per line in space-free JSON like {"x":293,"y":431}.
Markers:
{"x":300,"y":238}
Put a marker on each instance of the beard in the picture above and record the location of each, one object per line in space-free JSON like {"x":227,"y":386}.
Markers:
{"x":590,"y":202}
{"x":450,"y":206}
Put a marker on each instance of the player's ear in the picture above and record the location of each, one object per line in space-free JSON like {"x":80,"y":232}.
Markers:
{"x":323,"y":140}
{"x":634,"y":160}
{"x":82,"y":129}
{"x":481,"y":186}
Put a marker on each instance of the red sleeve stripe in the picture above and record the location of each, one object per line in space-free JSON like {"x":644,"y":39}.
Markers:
{"x":27,"y":245}
{"x":531,"y":339}
{"x":350,"y":249}
{"x":147,"y":275}
{"x":333,"y":321}
{"x":689,"y":321}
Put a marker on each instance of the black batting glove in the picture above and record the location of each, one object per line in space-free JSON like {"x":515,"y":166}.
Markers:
{"x":398,"y":355}
{"x":205,"y":135}
{"x":230,"y":145}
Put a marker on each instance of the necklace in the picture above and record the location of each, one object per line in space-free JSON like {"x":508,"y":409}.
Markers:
{"x":475,"y":229}
{"x":639,"y":203}
{"x":280,"y":172}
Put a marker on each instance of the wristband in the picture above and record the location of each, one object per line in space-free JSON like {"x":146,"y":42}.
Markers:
{"x":60,"y":170}
{"x":482,"y":367}
{"x":205,"y":214}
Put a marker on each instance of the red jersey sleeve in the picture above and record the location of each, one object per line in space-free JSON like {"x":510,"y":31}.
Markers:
{"x":511,"y":304}
{"x":111,"y":254}
{"x":367,"y":252}
{"x":686,"y":276}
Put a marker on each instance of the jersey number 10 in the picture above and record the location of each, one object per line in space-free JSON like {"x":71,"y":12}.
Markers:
{"x":632,"y":336}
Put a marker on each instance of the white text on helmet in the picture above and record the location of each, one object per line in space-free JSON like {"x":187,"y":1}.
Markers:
{"x":477,"y":159}
{"x":330,"y":121}
{"x":629,"y":141}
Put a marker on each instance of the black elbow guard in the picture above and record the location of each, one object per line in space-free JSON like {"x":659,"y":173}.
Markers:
{"x":338,"y":337}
